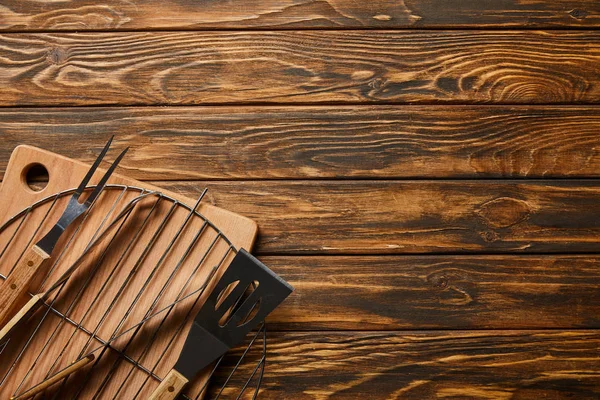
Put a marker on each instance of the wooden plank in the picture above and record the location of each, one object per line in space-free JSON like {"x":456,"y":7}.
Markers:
{"x":438,"y":292}
{"x":182,"y":143}
{"x":480,"y":365}
{"x":396,"y":217}
{"x":239,"y":14}
{"x":300,"y":67}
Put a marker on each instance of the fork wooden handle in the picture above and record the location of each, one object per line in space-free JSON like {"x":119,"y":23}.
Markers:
{"x":170,"y":387}
{"x":17,"y":283}
{"x":25,"y":310}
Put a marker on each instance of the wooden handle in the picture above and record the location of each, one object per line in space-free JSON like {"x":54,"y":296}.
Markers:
{"x":170,"y":387}
{"x":17,"y":283}
{"x":19,"y":316}
{"x":56,"y":378}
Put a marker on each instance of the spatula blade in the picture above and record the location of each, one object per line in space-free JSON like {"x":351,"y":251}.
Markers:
{"x":224,"y":321}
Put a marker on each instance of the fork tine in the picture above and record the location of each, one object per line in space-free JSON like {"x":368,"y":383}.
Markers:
{"x":92,"y":170}
{"x":105,"y":178}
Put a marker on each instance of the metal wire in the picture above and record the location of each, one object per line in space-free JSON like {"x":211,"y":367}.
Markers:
{"x":80,"y":320}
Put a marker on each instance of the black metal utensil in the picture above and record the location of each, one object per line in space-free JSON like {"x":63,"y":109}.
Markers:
{"x":225,"y":319}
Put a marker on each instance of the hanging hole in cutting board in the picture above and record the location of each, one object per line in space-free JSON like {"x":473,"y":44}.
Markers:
{"x":35,"y":177}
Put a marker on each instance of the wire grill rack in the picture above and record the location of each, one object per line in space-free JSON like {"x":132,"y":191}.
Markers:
{"x":143,"y":272}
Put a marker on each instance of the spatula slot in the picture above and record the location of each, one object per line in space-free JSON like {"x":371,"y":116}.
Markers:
{"x":235,"y":308}
{"x":251,"y":314}
{"x":224,"y":292}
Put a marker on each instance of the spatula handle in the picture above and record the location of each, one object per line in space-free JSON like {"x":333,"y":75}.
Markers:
{"x":170,"y":387}
{"x":17,"y":283}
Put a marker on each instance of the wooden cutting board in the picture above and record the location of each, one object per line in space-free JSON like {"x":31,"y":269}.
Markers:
{"x":110,"y":273}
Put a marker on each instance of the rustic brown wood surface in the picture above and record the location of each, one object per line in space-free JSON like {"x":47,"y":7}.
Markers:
{"x":308,"y":142}
{"x":300,"y":66}
{"x":438,"y":292}
{"x":189,"y":14}
{"x":400,"y":217}
{"x":519,"y":365}
{"x":443,"y":249}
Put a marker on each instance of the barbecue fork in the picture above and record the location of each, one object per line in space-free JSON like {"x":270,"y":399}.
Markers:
{"x":17,"y":283}
{"x":28,"y":309}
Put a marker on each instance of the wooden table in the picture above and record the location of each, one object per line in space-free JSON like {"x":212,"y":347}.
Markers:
{"x":425,"y":172}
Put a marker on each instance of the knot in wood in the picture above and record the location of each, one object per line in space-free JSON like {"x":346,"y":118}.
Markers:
{"x":441,"y":282}
{"x":503,"y":212}
{"x":57,"y":55}
{"x":438,"y":280}
{"x":489,"y":236}
{"x":578,"y":14}
{"x":377,"y":83}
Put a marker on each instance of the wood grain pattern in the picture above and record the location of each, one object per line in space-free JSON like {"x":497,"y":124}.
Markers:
{"x":320,"y":142}
{"x":383,"y":217}
{"x":438,"y":292}
{"x":310,"y":136}
{"x":481,"y":365}
{"x":239,"y":14}
{"x":300,"y":67}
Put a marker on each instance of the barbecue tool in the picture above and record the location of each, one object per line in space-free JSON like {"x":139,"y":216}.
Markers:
{"x":83,"y":361}
{"x":224,"y":320}
{"x":17,"y":283}
{"x":31,"y":306}
{"x":155,"y":259}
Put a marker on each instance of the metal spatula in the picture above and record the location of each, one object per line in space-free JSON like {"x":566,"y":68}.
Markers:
{"x":224,"y":320}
